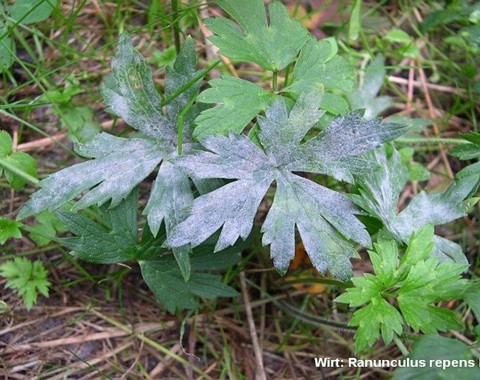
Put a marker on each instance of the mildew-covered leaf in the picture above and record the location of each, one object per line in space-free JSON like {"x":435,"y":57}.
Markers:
{"x":169,"y":202}
{"x":365,"y":97}
{"x":325,"y":219}
{"x":178,"y":75}
{"x":119,"y":164}
{"x":380,"y":191}
{"x":132,"y":94}
{"x":335,"y":150}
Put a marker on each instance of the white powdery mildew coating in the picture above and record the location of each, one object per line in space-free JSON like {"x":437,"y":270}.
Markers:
{"x":324,"y":218}
{"x":115,"y":173}
{"x":233,"y":206}
{"x":135,"y":98}
{"x":170,"y":198}
{"x":381,"y":191}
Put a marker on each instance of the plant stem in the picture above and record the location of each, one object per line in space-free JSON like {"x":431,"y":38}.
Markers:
{"x":287,"y":75}
{"x":400,"y":345}
{"x":17,"y":171}
{"x":181,"y":116}
{"x":275,"y":81}
{"x":313,"y":319}
{"x":190,"y":83}
{"x":315,"y":280}
{"x":425,"y":140}
{"x":176,"y":30}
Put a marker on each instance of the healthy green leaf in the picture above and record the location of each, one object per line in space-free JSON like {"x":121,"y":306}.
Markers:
{"x":30,"y":11}
{"x":7,"y":49}
{"x":468,"y":151}
{"x":79,"y":122}
{"x":365,"y":288}
{"x":422,"y":287}
{"x":115,"y":242}
{"x":165,"y":280}
{"x":240,"y":102}
{"x":9,"y":229}
{"x":471,"y":173}
{"x":420,"y":246}
{"x":399,"y":36}
{"x":29,"y":278}
{"x":355,"y":24}
{"x":45,"y":230}
{"x":414,"y":283}
{"x":325,"y":219}
{"x":379,"y":317}
{"x":272,"y":45}
{"x":11,"y":163}
{"x":318,"y":68}
{"x":472,"y":297}
{"x":385,"y":261}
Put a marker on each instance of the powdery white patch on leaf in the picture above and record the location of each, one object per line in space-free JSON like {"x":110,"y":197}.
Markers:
{"x":350,"y":136}
{"x":365,"y":97}
{"x":335,"y":150}
{"x":133,"y":95}
{"x":232,"y":206}
{"x":169,"y":202}
{"x":319,"y":213}
{"x":380,"y":192}
{"x":272,"y":45}
{"x":325,"y":219}
{"x":178,"y":75}
{"x":117,"y":168}
{"x":120,"y":164}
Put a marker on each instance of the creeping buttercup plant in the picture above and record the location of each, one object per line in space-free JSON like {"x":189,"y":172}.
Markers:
{"x":403,"y":291}
{"x":216,"y":164}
